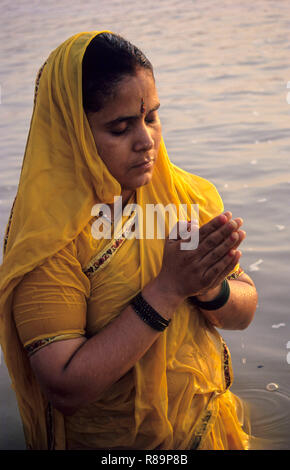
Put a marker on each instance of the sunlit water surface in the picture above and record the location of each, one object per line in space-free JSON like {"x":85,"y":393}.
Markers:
{"x":222,"y":69}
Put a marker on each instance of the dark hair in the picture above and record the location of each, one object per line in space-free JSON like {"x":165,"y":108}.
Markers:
{"x":107,"y":59}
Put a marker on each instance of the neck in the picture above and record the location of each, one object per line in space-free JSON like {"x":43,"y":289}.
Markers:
{"x":126,"y":194}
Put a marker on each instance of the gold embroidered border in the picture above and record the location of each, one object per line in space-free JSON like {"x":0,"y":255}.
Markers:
{"x":102,"y":259}
{"x":201,"y":430}
{"x":209,"y":413}
{"x":41,"y":343}
{"x":236,"y":274}
{"x":226,"y":365}
{"x":8,"y":227}
{"x":38,"y":80}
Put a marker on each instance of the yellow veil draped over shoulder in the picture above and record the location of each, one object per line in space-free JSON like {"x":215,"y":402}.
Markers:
{"x":62,"y":178}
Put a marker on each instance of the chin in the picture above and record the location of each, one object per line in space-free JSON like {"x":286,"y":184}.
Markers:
{"x":138,"y":182}
{"x":146,"y":178}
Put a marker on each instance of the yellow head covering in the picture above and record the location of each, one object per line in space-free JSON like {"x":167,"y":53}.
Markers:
{"x":62,"y":178}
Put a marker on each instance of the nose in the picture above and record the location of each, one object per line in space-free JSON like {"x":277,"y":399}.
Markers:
{"x":143,"y":139}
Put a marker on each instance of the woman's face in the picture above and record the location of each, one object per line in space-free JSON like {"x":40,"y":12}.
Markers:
{"x":127,"y":130}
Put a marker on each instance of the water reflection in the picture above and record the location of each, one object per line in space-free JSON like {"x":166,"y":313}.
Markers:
{"x":270,"y":418}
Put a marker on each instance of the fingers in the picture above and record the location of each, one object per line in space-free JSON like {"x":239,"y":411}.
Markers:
{"x":211,"y":235}
{"x":217,"y":222}
{"x":239,"y":221}
{"x":229,"y":216}
{"x":212,"y":226}
{"x":217,"y":237}
{"x":207,"y":265}
{"x":221,"y":250}
{"x":241,"y":237}
{"x":219,"y":271}
{"x":236,"y":256}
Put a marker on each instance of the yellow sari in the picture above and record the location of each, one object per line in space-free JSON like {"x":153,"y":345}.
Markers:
{"x":177,"y":395}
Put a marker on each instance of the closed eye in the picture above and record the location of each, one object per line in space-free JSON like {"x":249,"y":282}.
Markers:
{"x":121,"y":129}
{"x":123,"y":124}
{"x":152,"y":117}
{"x":121,"y":132}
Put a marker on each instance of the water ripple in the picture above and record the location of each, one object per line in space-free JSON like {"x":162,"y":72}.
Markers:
{"x":270,"y":416}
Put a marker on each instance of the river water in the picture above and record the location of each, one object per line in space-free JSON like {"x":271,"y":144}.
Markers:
{"x":222,"y":69}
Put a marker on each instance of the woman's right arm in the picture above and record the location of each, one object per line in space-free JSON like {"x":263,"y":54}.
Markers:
{"x":75,"y":372}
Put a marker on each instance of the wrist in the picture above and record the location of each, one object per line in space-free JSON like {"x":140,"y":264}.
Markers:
{"x":218,"y":301}
{"x":148,"y":314}
{"x":161,"y":297}
{"x":211,"y":294}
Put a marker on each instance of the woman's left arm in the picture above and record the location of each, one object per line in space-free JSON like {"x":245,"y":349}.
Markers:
{"x":239,"y":310}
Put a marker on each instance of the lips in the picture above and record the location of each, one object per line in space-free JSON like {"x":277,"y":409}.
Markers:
{"x":144,"y":164}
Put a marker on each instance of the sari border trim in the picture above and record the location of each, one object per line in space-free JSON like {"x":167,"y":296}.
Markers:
{"x":100,"y":260}
{"x":8,"y":228}
{"x":41,"y":343}
{"x":36,"y":86}
{"x":226,"y":365}
{"x":201,"y":430}
{"x":236,"y":274}
{"x":208,"y":415}
{"x":204,"y":423}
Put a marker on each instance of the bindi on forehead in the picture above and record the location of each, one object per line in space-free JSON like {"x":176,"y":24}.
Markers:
{"x":142,"y":108}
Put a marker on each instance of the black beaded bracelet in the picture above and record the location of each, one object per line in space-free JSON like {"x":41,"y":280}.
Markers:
{"x":219,"y":301}
{"x":148,"y":314}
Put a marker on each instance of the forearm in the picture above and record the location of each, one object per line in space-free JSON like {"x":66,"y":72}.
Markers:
{"x":104,"y":358}
{"x":239,"y":310}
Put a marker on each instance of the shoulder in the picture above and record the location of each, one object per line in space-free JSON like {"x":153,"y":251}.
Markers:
{"x":198,"y":182}
{"x":202,"y":192}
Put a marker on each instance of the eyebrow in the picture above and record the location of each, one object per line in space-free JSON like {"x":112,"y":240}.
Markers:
{"x":130,"y":118}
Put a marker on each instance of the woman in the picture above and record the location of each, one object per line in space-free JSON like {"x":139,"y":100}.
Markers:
{"x":111,"y":343}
